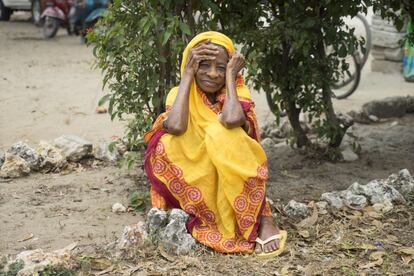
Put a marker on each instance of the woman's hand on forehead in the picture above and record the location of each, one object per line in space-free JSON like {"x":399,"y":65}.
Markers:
{"x":203,"y":51}
{"x":236,"y":63}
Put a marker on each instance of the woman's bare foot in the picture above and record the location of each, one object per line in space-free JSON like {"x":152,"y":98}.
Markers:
{"x":267,"y":229}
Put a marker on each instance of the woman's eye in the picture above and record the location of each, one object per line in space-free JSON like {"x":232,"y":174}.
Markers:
{"x":221,"y":68}
{"x":203,"y":65}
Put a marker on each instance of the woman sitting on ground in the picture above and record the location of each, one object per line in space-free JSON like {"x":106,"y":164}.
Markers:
{"x":204,"y":155}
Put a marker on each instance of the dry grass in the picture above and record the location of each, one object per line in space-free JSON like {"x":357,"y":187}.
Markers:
{"x":348,"y":242}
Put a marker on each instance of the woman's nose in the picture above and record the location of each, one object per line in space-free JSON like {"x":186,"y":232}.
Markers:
{"x":212,"y":73}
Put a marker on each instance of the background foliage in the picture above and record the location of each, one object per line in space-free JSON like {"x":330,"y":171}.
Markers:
{"x":286,"y":43}
{"x":139,"y":46}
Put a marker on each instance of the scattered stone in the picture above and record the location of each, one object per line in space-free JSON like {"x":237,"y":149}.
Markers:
{"x":333,"y":198}
{"x":74,"y":147}
{"x":121,"y":148}
{"x":36,"y":261}
{"x":393,"y":124}
{"x":373,"y":118}
{"x":2,"y":157}
{"x":103,"y":153}
{"x":359,"y":117}
{"x":52,"y":159}
{"x":410,"y":104}
{"x":156,"y":219}
{"x":267,"y":144}
{"x":383,"y":207}
{"x":348,"y":154}
{"x":118,"y":208}
{"x":296,"y":209}
{"x":267,"y":129}
{"x":353,"y":201}
{"x":284,"y":130}
{"x":377,"y":191}
{"x":322,"y":205}
{"x":101,"y":109}
{"x":14,"y":166}
{"x":386,"y":108}
{"x":403,"y":182}
{"x":280,"y":144}
{"x":175,"y":237}
{"x":27,"y":153}
{"x":339,"y":199}
{"x":349,"y":138}
{"x":345,"y":120}
{"x":133,"y":236}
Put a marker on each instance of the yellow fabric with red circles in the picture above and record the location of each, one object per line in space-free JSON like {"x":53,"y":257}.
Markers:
{"x":216,"y":174}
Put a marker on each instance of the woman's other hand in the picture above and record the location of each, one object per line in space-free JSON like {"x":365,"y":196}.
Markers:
{"x":232,"y":113}
{"x":203,"y":51}
{"x":236,"y":63}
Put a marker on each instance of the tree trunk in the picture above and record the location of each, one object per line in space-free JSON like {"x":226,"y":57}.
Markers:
{"x":190,"y":17}
{"x":292,"y":111}
{"x":293,"y":115}
{"x":337,"y":129}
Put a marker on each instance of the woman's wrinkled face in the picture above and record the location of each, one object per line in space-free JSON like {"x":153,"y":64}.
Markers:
{"x":211,"y":74}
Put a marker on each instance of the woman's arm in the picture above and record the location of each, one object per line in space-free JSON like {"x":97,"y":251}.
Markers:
{"x":232,"y":115}
{"x":177,"y":120}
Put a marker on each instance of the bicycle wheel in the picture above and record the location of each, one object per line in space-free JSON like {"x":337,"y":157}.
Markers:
{"x":349,"y":81}
{"x":363,"y":56}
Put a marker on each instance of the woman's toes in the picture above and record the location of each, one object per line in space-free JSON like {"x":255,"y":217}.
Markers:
{"x":276,"y":245}
{"x":271,"y":247}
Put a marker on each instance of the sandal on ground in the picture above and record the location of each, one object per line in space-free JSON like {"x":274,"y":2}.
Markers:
{"x":282,"y":236}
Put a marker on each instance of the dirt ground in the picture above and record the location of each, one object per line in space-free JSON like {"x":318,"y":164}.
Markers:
{"x":47,"y":88}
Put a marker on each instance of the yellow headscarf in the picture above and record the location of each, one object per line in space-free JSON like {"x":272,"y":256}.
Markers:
{"x":219,"y":39}
{"x":214,"y":37}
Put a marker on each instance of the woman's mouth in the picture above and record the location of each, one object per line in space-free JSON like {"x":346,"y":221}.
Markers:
{"x":209,"y":83}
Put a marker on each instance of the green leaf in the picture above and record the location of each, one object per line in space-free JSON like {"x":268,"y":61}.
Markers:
{"x":185,"y":28}
{"x":143,"y":22}
{"x":112,"y":146}
{"x":342,"y":52}
{"x":104,"y":99}
{"x":137,"y":200}
{"x":399,"y":23}
{"x":165,"y":37}
{"x":146,"y":27}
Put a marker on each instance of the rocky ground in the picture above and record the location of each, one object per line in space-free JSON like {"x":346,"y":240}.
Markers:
{"x":51,"y":209}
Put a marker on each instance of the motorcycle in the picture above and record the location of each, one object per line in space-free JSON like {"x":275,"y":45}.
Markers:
{"x":56,"y":14}
{"x":85,"y":14}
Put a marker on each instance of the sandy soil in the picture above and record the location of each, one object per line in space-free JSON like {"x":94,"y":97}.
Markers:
{"x":47,"y":88}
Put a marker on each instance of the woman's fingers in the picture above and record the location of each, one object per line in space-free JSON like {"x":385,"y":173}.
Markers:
{"x":206,"y":44}
{"x":237,"y":60}
{"x":205,"y":51}
{"x":201,"y":53}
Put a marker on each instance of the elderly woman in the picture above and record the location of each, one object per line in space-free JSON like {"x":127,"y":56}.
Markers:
{"x":204,"y":155}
